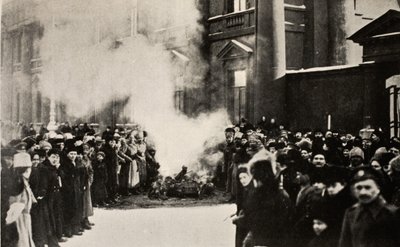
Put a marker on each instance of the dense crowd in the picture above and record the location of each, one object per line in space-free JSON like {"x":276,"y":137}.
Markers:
{"x":302,"y":188}
{"x":50,"y":182}
{"x":309,"y":188}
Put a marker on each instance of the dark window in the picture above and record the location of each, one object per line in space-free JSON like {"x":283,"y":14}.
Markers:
{"x":17,"y":48}
{"x":39,"y":107}
{"x":179,"y":100}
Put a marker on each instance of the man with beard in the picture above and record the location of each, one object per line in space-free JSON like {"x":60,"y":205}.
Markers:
{"x":319,"y":169}
{"x":47,"y":222}
{"x":72,"y":191}
{"x":370,"y":222}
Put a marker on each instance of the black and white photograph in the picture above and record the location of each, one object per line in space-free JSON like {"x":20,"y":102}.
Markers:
{"x":200,"y":123}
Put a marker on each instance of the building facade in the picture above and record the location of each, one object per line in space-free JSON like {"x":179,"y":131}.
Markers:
{"x":21,"y":64}
{"x":292,"y":60}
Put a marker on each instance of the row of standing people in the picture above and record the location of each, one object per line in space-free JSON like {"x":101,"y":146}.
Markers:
{"x":65,"y":178}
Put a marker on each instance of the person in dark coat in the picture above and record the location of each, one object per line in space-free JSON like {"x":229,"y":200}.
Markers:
{"x":111,"y":161}
{"x":100,"y":177}
{"x":152,"y":164}
{"x":306,"y":199}
{"x":323,"y":231}
{"x":245,"y":191}
{"x":267,"y":216}
{"x":48,"y":226}
{"x":333,"y":205}
{"x":229,"y":151}
{"x":370,"y":222}
{"x":72,"y":192}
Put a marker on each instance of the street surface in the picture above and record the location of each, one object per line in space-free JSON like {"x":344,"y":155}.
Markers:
{"x":189,"y":226}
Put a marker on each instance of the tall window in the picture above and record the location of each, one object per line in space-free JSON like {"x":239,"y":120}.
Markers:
{"x":179,"y":95}
{"x":237,"y":5}
{"x":237,"y":94}
{"x":39,"y":107}
{"x":17,"y":48}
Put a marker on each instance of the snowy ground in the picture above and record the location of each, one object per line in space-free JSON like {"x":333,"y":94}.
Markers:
{"x":190,"y":226}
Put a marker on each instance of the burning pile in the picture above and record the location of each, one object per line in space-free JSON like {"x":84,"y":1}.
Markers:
{"x":184,"y":184}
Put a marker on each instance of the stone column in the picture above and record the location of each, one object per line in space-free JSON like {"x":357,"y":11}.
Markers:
{"x":341,"y":15}
{"x":270,"y":59}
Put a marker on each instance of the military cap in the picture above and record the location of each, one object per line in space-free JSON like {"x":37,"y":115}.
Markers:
{"x":20,"y":145}
{"x":363,"y":173}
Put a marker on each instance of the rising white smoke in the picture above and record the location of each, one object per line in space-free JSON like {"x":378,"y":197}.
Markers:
{"x":86,"y":65}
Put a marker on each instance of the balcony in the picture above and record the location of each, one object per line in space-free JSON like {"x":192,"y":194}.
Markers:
{"x":232,"y":24}
{"x":175,"y":36}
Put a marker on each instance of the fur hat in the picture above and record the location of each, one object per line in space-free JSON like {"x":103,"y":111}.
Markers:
{"x":356,"y":151}
{"x":22,"y":160}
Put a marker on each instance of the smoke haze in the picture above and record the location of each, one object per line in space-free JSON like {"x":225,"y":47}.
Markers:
{"x":86,"y":65}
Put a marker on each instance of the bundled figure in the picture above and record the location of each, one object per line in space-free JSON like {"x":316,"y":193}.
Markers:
{"x":21,"y":204}
{"x":100,"y":177}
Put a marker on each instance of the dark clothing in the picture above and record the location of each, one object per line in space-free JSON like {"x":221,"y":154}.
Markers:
{"x":99,"y":186}
{"x":306,"y":200}
{"x":243,"y":205}
{"x":319,"y":174}
{"x":229,"y":151}
{"x":111,"y":161}
{"x":287,"y":178}
{"x":336,"y":207}
{"x":72,"y":176}
{"x":370,"y":225}
{"x":152,"y":168}
{"x":47,"y":214}
{"x":326,"y":239}
{"x":9,"y":187}
{"x":267,"y":217}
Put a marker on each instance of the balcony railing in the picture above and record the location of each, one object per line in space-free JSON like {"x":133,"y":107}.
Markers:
{"x":232,"y":21}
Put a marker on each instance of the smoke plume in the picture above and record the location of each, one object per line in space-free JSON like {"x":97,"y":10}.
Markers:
{"x":94,"y":51}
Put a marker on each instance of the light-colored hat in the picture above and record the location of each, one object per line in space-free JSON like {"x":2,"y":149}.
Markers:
{"x":22,"y":160}
{"x":356,"y":151}
{"x":45,"y":144}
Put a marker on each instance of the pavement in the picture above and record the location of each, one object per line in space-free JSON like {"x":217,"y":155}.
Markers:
{"x":202,"y":226}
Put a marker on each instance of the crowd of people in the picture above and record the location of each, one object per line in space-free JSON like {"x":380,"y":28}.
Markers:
{"x":302,"y":188}
{"x":50,"y":182}
{"x":312,"y":188}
